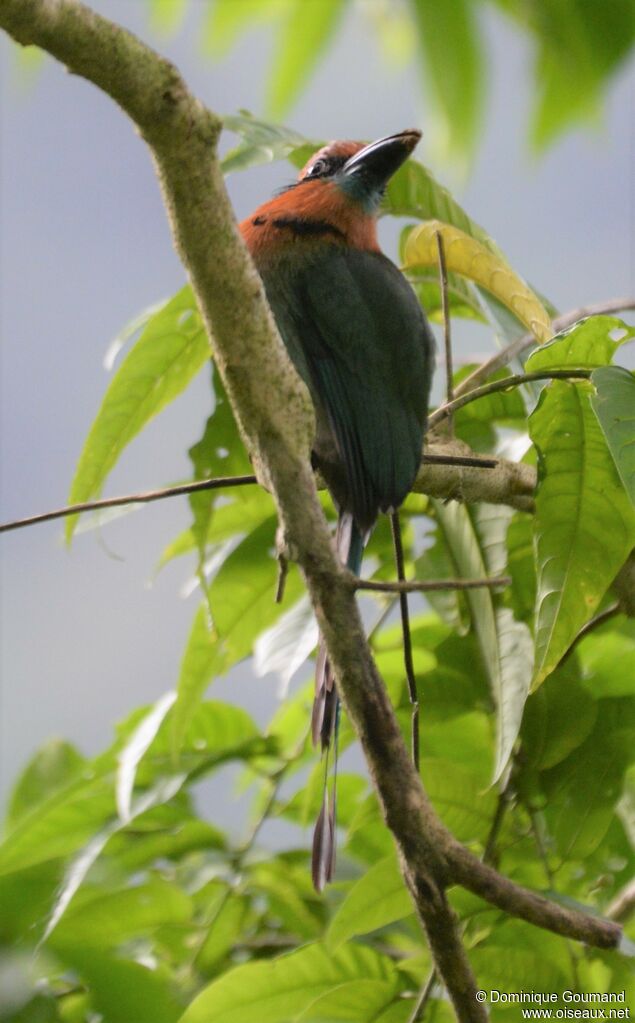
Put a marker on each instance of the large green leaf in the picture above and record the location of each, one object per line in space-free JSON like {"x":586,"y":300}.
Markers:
{"x":109,"y":919}
{"x":453,"y":61}
{"x":280,"y":989}
{"x":304,"y":34}
{"x":579,"y":46}
{"x":550,"y":730}
{"x":614,"y":405}
{"x":357,"y":1000}
{"x":241,"y":597}
{"x":414,"y":192}
{"x":378,"y":898}
{"x":60,"y":825}
{"x":121,"y":990}
{"x":607,"y":658}
{"x":585,"y":345}
{"x":55,"y":765}
{"x":225,"y":19}
{"x":584,"y":526}
{"x":476,"y":543}
{"x":458,"y":798}
{"x":171,"y":350}
{"x":584,"y":790}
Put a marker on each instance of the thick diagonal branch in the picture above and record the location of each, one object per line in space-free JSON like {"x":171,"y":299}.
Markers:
{"x":274,"y":414}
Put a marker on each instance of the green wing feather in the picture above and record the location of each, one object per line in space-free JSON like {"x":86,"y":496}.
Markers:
{"x":368,"y":351}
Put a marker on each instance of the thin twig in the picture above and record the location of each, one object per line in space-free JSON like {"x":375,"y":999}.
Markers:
{"x":447,"y":335}
{"x":283,"y":571}
{"x":407,"y":639}
{"x":503,"y":385}
{"x":467,"y":461}
{"x":423,"y":998}
{"x":192,"y":488}
{"x":143,"y":498}
{"x":427,"y":585}
{"x":516,"y":348}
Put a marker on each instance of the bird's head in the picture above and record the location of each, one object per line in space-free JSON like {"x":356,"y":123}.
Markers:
{"x":361,"y":171}
{"x":335,"y":199}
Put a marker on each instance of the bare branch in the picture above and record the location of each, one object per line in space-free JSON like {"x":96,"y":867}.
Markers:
{"x":145,"y":497}
{"x":429,"y":585}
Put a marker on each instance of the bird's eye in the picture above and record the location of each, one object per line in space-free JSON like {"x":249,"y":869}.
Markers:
{"x":317,"y":168}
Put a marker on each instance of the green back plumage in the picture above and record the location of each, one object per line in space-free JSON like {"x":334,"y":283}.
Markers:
{"x":357,"y":335}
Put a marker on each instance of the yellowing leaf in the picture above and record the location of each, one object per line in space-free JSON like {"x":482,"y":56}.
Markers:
{"x":466,"y":256}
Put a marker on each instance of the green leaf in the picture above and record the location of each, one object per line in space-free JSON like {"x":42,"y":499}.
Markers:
{"x":60,"y":825}
{"x":202,"y":660}
{"x":580,"y":46}
{"x":218,"y":453}
{"x":248,"y":508}
{"x":450,"y":42}
{"x":550,"y":730}
{"x":436,"y":563}
{"x":224,"y":932}
{"x":280,"y":989}
{"x":242,"y":600}
{"x":117,"y":916}
{"x":166,"y":16}
{"x":226,"y":19}
{"x":215,"y":732}
{"x":170,"y":351}
{"x":614,"y":406}
{"x":135,"y":748}
{"x":378,"y":898}
{"x":584,"y":526}
{"x":414,"y":192}
{"x":586,"y":345}
{"x":304,"y":34}
{"x":263,"y":142}
{"x":122,"y":991}
{"x":356,"y":1000}
{"x":79,"y":867}
{"x":469,"y":257}
{"x":286,"y":645}
{"x":584,"y":790}
{"x":458,"y":798}
{"x":476,"y":542}
{"x":607,"y":659}
{"x":55,"y":765}
{"x":290,"y":896}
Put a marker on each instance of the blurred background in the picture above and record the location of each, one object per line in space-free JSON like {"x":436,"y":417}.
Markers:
{"x":89,"y":633}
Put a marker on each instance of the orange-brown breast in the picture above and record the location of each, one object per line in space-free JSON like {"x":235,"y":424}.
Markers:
{"x":310,"y":212}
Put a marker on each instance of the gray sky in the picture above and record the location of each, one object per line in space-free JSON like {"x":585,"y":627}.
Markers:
{"x":84,"y":245}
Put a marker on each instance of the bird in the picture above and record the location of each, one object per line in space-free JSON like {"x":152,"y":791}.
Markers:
{"x":359,"y":339}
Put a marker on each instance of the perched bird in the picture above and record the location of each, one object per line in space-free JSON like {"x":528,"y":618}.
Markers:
{"x":357,"y":336}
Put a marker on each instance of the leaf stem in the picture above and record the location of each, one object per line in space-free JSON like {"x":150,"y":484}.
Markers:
{"x":503,"y":385}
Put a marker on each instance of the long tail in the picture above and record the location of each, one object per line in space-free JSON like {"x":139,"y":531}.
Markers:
{"x":325,"y":718}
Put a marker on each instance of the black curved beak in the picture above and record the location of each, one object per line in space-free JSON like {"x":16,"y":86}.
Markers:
{"x":377,"y":162}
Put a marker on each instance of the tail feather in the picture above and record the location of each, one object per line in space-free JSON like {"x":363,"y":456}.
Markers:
{"x":325,"y":716}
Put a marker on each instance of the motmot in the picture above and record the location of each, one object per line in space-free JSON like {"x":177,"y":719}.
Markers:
{"x":357,"y":335}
